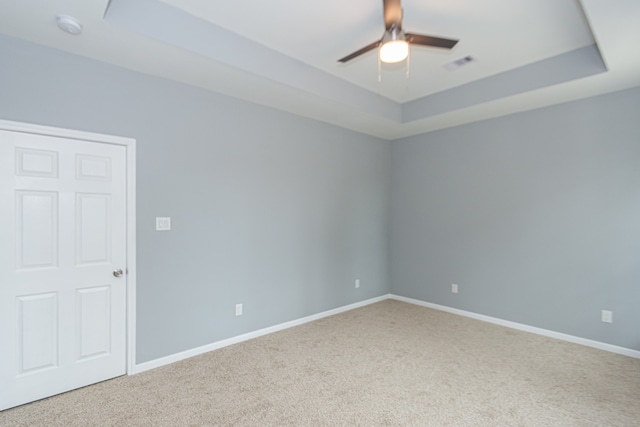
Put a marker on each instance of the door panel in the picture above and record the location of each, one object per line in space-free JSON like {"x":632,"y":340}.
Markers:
{"x":94,"y":321}
{"x":41,"y":163}
{"x":36,"y":229}
{"x":93,"y":228}
{"x":63,"y":233}
{"x":37,"y":332}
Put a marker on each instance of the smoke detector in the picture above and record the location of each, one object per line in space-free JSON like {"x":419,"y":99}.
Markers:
{"x":69,"y":24}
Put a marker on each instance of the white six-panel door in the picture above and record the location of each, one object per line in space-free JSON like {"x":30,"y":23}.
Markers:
{"x":62,"y":236}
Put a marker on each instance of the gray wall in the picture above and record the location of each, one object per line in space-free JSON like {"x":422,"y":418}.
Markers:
{"x":268,"y":209}
{"x":536,"y":216}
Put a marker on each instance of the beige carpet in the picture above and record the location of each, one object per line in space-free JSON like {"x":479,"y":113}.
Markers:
{"x":387,"y":364}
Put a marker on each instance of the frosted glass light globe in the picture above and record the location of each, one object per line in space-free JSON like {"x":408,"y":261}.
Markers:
{"x":394,"y":51}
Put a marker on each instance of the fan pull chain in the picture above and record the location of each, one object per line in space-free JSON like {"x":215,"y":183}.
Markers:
{"x":379,"y":67}
{"x":409,"y":61}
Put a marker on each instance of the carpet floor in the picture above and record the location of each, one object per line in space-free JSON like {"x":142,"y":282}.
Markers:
{"x":386,"y":364}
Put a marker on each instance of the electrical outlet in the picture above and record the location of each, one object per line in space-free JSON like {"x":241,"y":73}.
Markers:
{"x":357,"y":283}
{"x":607,"y":316}
{"x":454,"y":288}
{"x":238,"y":309}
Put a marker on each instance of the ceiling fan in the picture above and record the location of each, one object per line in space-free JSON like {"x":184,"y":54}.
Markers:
{"x":394,"y":45}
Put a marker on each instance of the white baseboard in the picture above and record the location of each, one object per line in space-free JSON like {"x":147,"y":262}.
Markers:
{"x":152,"y":364}
{"x":519,"y":326}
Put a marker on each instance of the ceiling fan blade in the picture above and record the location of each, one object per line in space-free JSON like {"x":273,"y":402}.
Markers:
{"x":360,"y":52}
{"x":392,"y":13}
{"x":431,"y":41}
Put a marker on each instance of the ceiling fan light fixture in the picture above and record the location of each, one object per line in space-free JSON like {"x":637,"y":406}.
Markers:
{"x":394,"y":51}
{"x":394,"y":46}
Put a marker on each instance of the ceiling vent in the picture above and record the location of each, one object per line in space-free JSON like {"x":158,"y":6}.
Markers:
{"x":454,"y":65}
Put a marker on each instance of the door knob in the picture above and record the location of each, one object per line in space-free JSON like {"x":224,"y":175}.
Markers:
{"x":117,"y":273}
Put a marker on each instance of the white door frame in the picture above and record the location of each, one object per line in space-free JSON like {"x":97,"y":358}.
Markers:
{"x":130,"y":147}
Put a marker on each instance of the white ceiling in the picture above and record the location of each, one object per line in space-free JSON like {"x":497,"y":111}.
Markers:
{"x":318,"y":33}
{"x":283,"y":53}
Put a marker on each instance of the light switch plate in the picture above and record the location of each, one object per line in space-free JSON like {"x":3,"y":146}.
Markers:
{"x":163,"y":223}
